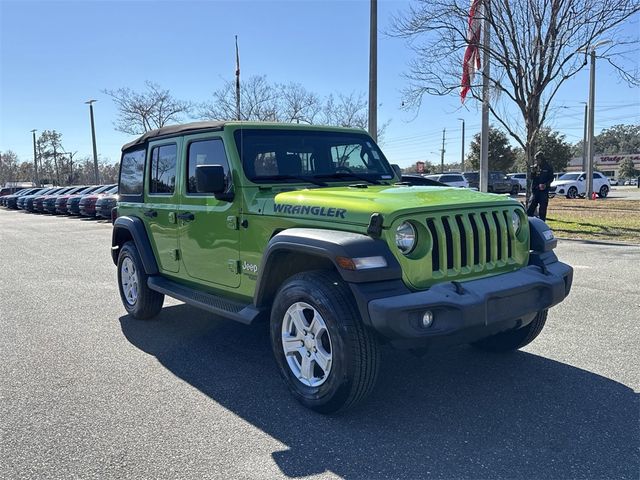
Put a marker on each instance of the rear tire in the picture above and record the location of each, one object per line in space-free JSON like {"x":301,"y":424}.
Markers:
{"x":514,"y":339}
{"x":332,"y":359}
{"x":604,"y":191}
{"x":138,"y":299}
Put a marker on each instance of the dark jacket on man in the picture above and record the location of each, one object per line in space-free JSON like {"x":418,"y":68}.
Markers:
{"x":544,"y":176}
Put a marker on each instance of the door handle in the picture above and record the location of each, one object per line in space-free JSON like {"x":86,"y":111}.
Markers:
{"x":150,"y":213}
{"x":186,"y":216}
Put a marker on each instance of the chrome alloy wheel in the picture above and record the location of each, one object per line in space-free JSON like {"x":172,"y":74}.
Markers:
{"x":129,"y":280}
{"x":307,"y":344}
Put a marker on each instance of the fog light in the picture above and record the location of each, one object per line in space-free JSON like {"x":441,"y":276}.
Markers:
{"x":427,"y":319}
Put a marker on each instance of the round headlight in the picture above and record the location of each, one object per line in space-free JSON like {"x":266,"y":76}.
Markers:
{"x":515,"y":222}
{"x":406,"y":237}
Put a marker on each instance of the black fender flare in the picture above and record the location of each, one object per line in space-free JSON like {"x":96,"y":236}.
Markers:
{"x":326,"y":245}
{"x":540,"y":241}
{"x":133,"y":227}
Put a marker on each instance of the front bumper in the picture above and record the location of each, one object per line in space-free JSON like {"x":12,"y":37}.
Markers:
{"x":467,"y":311}
{"x":104,"y":211}
{"x":87,"y":210}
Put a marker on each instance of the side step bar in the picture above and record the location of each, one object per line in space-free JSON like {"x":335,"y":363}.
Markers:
{"x":243,"y":313}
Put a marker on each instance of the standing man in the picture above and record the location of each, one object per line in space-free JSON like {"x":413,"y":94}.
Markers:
{"x":542,"y":179}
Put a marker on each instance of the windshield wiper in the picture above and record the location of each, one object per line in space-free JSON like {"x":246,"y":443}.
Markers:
{"x":303,"y":178}
{"x":350,"y":174}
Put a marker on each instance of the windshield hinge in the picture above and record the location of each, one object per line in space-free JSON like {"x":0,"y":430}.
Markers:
{"x":374,"y":230}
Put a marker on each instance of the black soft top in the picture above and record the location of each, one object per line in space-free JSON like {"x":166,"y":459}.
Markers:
{"x":174,"y":129}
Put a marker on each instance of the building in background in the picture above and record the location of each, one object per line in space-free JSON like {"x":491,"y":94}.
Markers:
{"x":607,"y":164}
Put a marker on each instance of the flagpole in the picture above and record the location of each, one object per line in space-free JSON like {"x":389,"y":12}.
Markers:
{"x":484,"y":135}
{"x":237,"y":82}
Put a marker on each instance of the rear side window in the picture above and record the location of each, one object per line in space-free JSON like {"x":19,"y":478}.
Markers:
{"x":162,"y":171}
{"x":451,"y":178}
{"x":132,"y":172}
{"x":206,"y":152}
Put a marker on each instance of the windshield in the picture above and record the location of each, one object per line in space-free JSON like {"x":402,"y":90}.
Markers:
{"x":103,"y":189}
{"x":471,"y":176}
{"x":301,"y":155}
{"x":570,"y":176}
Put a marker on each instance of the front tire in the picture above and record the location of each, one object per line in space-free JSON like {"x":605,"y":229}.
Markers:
{"x":138,"y":299}
{"x":572,"y":192}
{"x":514,"y":339}
{"x":326,"y":356}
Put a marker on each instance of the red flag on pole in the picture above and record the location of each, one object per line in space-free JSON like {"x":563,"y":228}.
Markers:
{"x":471,"y":62}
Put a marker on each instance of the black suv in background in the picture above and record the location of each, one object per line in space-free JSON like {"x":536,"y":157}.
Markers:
{"x":11,"y":201}
{"x":61,"y":200}
{"x":49,"y":204}
{"x":26,"y":202}
{"x":73,"y":202}
{"x":498,"y":182}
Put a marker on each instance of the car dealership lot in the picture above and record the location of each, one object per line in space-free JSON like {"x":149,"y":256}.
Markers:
{"x":87,"y":392}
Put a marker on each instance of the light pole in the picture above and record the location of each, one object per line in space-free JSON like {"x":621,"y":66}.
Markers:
{"x":35,"y":158}
{"x":373,"y":70}
{"x":462,"y":147}
{"x":591,"y":112}
{"x":93,"y":137}
{"x":584,"y":137}
{"x":444,"y":130}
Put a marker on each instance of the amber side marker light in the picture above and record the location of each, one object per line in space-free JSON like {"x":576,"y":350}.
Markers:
{"x":361,"y":263}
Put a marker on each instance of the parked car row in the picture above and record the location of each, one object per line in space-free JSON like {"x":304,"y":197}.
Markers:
{"x":84,"y":200}
{"x":498,"y":181}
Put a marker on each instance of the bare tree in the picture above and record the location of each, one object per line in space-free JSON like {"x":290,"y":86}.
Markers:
{"x":258,"y":101}
{"x":9,"y":167}
{"x":536,"y":45}
{"x":297,"y":104}
{"x":346,"y":110}
{"x":291,"y":103}
{"x":139,"y":112}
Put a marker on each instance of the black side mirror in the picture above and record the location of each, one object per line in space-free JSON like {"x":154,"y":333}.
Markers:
{"x":397,"y":170}
{"x":210,"y":179}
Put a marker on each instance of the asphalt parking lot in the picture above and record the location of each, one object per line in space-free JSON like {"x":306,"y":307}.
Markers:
{"x":88,"y":392}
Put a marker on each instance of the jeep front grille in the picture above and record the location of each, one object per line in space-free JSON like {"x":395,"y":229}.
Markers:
{"x":470,"y":242}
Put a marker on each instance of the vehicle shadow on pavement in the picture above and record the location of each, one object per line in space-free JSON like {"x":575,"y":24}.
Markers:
{"x":459,"y":413}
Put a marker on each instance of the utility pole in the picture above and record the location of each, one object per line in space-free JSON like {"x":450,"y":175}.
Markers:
{"x":373,"y":71}
{"x":35,"y":159}
{"x":584,"y":138}
{"x":93,"y":137}
{"x":462,"y":147}
{"x":484,"y":137}
{"x":442,"y":152}
{"x":592,"y":99}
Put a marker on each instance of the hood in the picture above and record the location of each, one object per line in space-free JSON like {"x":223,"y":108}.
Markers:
{"x":559,"y":183}
{"x":355,"y":205}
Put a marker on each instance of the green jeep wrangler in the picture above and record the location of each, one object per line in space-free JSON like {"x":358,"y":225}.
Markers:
{"x":311,"y":227}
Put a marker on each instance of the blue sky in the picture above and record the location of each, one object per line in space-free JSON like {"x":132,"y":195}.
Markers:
{"x":55,"y":55}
